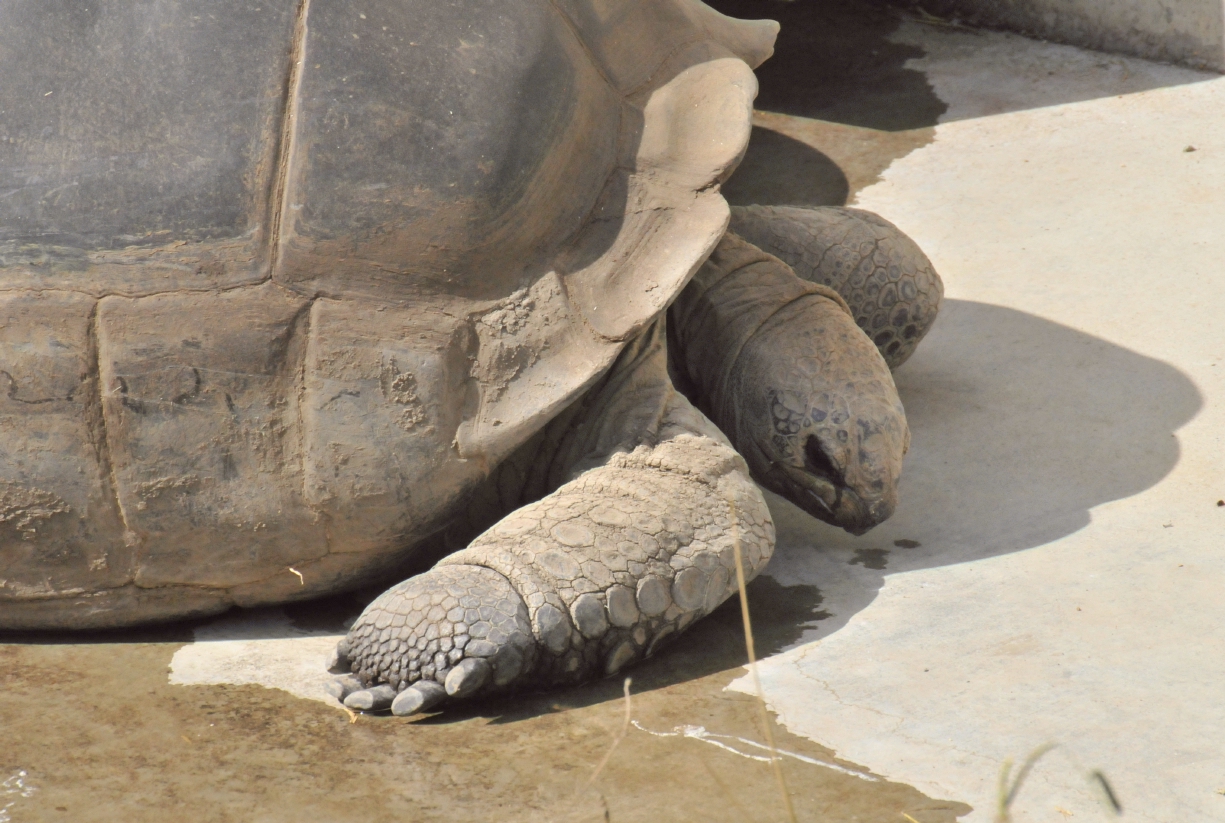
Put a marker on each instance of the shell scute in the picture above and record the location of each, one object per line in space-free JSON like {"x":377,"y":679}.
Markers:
{"x":329,"y":292}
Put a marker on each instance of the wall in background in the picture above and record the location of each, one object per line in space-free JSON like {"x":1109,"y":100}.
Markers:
{"x":1190,"y":32}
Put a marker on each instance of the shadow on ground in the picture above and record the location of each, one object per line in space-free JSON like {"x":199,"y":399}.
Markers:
{"x":850,"y":90}
{"x":834,"y":61}
{"x":778,"y":170}
{"x":843,"y":61}
{"x":833,"y":65}
{"x":1020,"y":427}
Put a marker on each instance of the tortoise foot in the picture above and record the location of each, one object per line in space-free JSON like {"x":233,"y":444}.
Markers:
{"x":578,"y":586}
{"x":450,"y":633}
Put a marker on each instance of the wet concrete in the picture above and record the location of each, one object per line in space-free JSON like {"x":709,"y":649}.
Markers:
{"x":103,"y":736}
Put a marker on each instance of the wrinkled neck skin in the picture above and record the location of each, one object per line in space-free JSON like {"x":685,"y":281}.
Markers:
{"x":780,"y":366}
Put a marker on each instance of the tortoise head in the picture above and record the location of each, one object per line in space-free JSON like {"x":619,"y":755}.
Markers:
{"x":837,"y":457}
{"x":820,"y":421}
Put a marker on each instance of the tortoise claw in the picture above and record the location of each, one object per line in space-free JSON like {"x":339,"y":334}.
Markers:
{"x":417,"y":698}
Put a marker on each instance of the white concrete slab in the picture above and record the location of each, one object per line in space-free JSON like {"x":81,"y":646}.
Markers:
{"x":1067,"y":416}
{"x":261,"y":648}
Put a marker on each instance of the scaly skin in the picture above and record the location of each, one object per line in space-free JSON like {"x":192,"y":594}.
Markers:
{"x":780,"y":366}
{"x":592,"y":577}
{"x":625,"y":512}
{"x":888,"y":283}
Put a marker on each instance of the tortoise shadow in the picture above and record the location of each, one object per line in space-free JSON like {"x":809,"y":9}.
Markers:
{"x":849,"y":90}
{"x":778,"y":170}
{"x":1020,"y":427}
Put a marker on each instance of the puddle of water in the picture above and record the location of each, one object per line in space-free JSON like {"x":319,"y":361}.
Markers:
{"x":15,"y":788}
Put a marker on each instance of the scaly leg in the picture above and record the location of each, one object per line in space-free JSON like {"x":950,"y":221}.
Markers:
{"x":636,"y":542}
{"x":889,"y":284}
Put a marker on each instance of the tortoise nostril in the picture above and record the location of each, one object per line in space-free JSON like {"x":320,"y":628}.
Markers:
{"x":817,"y":462}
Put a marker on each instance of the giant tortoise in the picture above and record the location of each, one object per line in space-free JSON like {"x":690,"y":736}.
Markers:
{"x":295,"y":293}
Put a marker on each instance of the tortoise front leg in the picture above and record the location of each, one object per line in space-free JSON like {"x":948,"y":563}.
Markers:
{"x":886,"y":280}
{"x":630,"y":550}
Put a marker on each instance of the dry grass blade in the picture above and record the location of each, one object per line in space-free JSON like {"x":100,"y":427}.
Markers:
{"x":1001,"y":793}
{"x":748,"y":643}
{"x":618,"y":737}
{"x":1007,"y":792}
{"x":1026,"y":768}
{"x":616,"y":741}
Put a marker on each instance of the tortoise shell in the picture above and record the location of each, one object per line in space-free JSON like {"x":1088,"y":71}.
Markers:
{"x":281,"y":280}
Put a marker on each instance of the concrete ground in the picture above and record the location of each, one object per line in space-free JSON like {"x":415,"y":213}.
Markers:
{"x":1049,"y":575}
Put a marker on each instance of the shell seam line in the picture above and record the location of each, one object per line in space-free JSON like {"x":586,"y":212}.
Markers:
{"x":304,"y":327}
{"x":102,"y":295}
{"x":577,"y":33}
{"x":293,"y":84}
{"x":103,"y":446}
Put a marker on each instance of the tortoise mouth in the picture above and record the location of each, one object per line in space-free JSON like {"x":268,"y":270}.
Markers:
{"x":820,"y":488}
